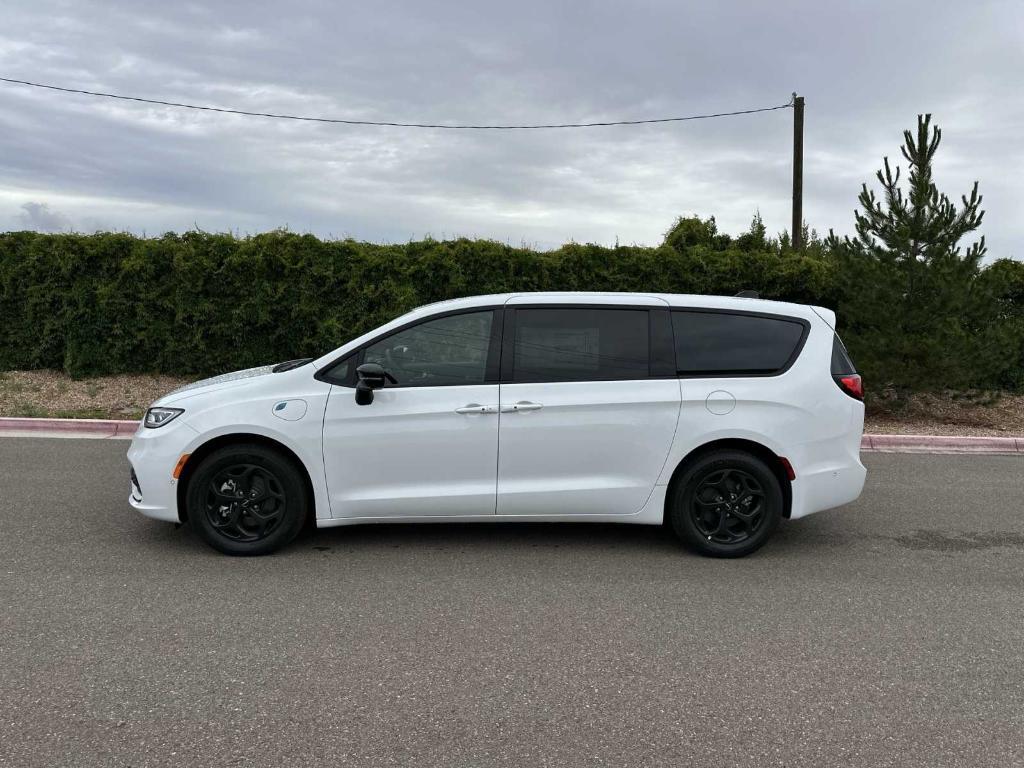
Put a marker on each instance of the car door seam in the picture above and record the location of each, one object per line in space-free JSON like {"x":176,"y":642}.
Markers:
{"x":323,"y":455}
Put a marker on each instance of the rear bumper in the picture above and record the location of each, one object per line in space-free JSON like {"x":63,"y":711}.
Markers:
{"x":827,"y":487}
{"x":829,"y":472}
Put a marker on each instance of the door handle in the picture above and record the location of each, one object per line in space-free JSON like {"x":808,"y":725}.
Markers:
{"x":522,"y":405}
{"x":475,"y":408}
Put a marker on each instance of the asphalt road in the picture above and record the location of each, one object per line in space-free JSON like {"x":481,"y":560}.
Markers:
{"x":890,"y":632}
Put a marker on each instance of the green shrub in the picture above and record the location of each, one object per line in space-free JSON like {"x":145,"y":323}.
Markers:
{"x":200,"y":303}
{"x":1000,"y":302}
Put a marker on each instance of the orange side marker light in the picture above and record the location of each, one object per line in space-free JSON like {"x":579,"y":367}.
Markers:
{"x":180,"y":465}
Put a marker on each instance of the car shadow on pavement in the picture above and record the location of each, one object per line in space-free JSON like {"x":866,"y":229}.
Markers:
{"x":817,"y":534}
{"x":512,"y":535}
{"x":807,"y":536}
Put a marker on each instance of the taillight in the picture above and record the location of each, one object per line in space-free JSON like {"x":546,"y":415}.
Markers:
{"x":852,"y":385}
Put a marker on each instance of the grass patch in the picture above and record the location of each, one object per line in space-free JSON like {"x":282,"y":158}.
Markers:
{"x":32,"y":411}
{"x":29,"y":411}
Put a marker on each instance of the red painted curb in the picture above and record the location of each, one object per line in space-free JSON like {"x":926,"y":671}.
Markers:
{"x":872,"y":443}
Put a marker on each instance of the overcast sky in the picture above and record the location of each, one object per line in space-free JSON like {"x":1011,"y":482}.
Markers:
{"x":866,"y":69}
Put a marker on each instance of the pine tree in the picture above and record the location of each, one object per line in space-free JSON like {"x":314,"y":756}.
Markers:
{"x":924,"y":225}
{"x":906,"y":279}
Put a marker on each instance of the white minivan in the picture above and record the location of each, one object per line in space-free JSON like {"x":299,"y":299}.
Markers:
{"x":716,"y":415}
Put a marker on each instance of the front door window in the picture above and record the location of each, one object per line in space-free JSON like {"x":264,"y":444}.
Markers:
{"x":444,"y":352}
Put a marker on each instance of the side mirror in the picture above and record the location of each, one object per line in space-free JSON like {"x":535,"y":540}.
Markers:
{"x":371,"y":376}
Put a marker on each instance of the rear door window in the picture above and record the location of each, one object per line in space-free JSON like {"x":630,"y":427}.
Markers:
{"x":733,"y":344}
{"x":580,"y":344}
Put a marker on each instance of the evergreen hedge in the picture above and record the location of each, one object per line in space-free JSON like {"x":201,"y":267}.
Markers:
{"x":201,"y":303}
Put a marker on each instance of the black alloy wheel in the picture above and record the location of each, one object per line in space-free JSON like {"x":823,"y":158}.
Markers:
{"x":247,"y":499}
{"x":728,"y":506}
{"x":245,"y":502}
{"x":726,"y":503}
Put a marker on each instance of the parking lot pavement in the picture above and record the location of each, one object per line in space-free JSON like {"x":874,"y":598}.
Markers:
{"x":890,"y":632}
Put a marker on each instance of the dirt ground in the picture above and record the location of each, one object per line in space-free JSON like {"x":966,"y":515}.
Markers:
{"x":49,"y":393}
{"x":950,"y":414}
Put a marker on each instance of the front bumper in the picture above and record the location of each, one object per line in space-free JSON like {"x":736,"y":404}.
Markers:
{"x":153,"y":455}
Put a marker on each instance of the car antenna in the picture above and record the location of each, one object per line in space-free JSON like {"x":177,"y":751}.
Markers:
{"x":748,"y":295}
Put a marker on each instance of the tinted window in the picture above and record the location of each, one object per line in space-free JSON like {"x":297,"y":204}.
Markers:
{"x":338,"y":373}
{"x":567,"y":344}
{"x":842,"y":365}
{"x":728,"y":344}
{"x":449,"y":350}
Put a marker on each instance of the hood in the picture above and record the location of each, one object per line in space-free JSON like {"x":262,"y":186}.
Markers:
{"x":215,"y":383}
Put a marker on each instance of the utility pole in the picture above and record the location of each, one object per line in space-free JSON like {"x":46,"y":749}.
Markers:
{"x":798,"y":172}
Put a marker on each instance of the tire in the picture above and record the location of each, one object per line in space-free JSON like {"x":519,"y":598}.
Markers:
{"x":246,"y":499}
{"x":726,"y":504}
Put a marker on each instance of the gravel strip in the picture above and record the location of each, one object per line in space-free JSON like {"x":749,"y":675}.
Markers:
{"x":961,"y":415}
{"x":49,"y":393}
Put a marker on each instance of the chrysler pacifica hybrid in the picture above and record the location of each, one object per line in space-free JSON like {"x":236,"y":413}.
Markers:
{"x":716,"y":416}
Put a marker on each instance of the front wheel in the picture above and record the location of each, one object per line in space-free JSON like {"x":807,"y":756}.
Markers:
{"x":246,"y":500}
{"x":727,"y":504}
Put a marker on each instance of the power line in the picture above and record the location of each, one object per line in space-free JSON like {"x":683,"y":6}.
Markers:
{"x":387,"y":123}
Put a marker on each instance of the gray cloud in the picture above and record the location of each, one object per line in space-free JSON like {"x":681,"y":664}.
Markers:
{"x":866,"y":70}
{"x":40,"y":217}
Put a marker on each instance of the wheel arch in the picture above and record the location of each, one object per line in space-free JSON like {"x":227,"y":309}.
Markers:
{"x":775,"y":463}
{"x":240,"y":438}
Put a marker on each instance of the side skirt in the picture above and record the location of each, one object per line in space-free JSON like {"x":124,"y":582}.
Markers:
{"x":652,"y":513}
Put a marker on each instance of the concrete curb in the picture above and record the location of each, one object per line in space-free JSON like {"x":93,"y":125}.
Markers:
{"x":124,"y":429}
{"x":941,"y":444}
{"x":109,"y":428}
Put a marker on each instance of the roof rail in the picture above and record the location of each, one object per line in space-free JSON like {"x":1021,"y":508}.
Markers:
{"x":748,"y":295}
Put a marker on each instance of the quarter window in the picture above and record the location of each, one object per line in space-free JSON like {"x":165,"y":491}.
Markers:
{"x":842,"y":365}
{"x":443,"y":352}
{"x":339,"y":372}
{"x":580,"y":344}
{"x":724,"y":344}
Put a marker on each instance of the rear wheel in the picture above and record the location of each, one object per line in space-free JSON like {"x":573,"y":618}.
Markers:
{"x":246,"y":500}
{"x":726,"y":504}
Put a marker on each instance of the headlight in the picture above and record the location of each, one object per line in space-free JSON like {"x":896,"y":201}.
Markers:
{"x":157,"y":417}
